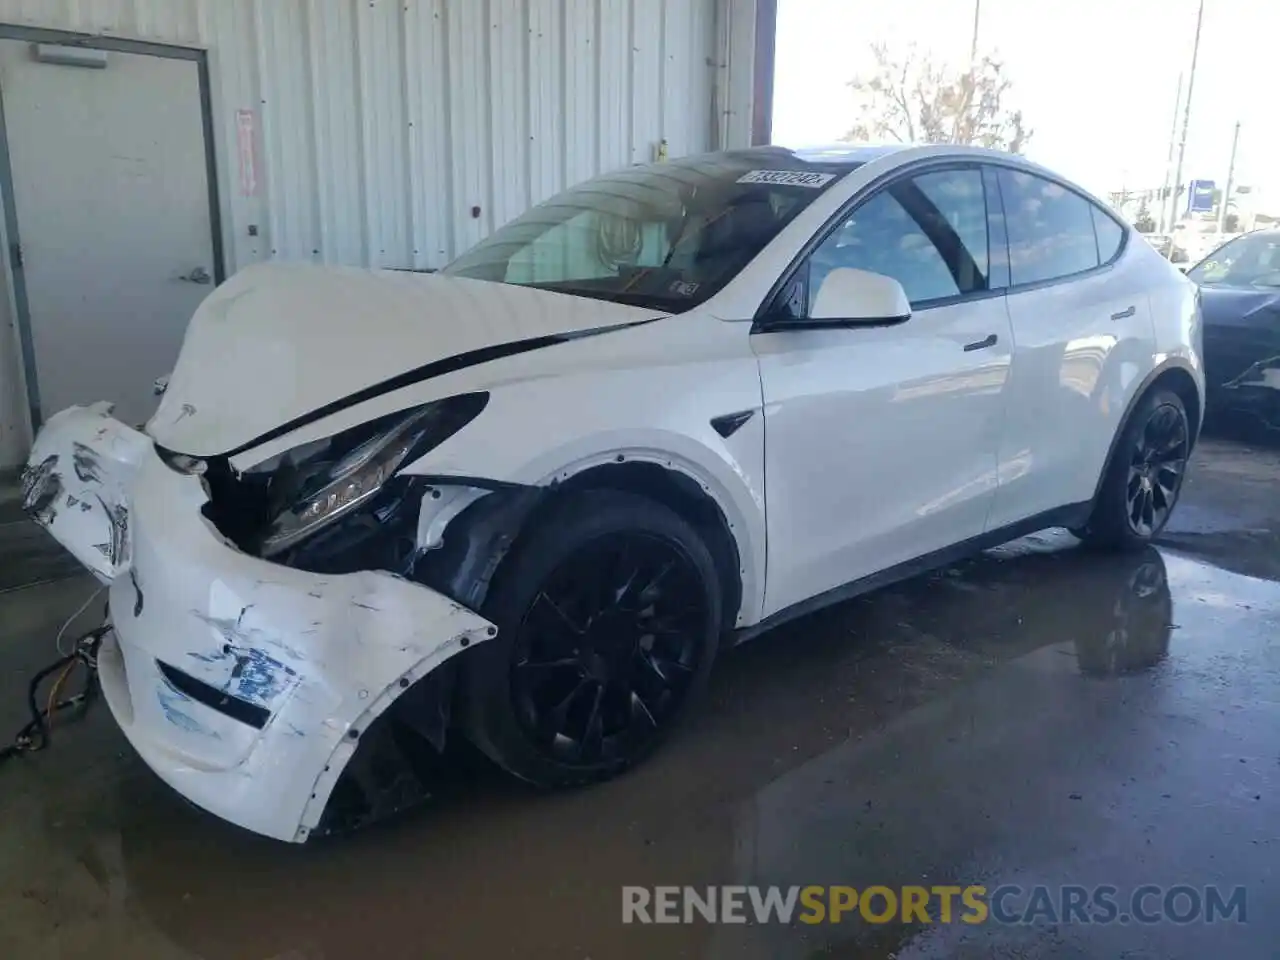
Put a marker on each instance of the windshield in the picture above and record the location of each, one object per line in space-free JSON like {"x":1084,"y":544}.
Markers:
{"x":666,"y":235}
{"x":1248,"y":261}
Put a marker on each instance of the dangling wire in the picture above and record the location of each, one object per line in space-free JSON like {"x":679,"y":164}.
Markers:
{"x":34,"y":736}
{"x":71,"y":619}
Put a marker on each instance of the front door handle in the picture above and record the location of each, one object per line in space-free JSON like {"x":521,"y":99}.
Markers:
{"x":1124,"y":314}
{"x":198,"y":275}
{"x":991,"y":341}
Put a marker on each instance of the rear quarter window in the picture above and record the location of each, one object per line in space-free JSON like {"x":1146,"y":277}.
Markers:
{"x":1109,"y":233}
{"x":1050,"y":228}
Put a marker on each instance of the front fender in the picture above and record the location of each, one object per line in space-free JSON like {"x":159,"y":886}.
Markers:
{"x":76,"y":485}
{"x":540,"y":433}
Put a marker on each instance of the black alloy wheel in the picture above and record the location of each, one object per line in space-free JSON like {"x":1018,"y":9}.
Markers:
{"x":1144,"y":476}
{"x":607,"y":649}
{"x":1156,"y":467}
{"x":608,"y":618}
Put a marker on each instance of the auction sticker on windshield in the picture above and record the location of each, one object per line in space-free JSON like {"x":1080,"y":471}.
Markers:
{"x":788,"y":178}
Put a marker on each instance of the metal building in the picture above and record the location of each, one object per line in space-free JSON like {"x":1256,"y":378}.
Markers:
{"x":149,"y":148}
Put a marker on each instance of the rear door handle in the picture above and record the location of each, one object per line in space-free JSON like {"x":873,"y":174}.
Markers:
{"x":1124,"y":314}
{"x":991,"y":341}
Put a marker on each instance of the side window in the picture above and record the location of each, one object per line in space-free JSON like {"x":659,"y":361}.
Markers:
{"x":1050,"y":228}
{"x":1109,"y":233}
{"x":928,"y":232}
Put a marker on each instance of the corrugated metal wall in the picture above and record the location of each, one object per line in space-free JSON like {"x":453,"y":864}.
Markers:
{"x":382,"y":124}
{"x":398,"y":132}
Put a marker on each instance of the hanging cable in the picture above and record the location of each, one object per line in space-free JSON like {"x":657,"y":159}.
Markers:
{"x":34,"y":736}
{"x":57,"y":642}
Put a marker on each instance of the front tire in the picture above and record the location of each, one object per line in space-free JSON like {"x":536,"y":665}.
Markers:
{"x":1144,"y":477}
{"x":608,"y":618}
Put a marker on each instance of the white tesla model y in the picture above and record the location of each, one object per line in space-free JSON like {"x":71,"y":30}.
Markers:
{"x":527,"y":498}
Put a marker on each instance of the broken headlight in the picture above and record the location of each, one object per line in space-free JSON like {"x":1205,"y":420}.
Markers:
{"x":316,"y":483}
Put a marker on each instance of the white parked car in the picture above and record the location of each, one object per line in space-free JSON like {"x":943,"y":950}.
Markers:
{"x":528,"y":498}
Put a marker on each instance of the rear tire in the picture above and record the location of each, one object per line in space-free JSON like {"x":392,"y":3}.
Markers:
{"x":1144,"y":477}
{"x":608,"y":618}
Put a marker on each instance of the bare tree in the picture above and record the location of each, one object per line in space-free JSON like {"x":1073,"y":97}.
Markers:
{"x":914,"y":99}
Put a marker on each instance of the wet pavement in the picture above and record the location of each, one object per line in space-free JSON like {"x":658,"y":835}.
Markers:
{"x":1038,"y":716}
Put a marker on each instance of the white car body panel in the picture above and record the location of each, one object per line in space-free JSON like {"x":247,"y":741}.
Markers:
{"x":1179,"y":327}
{"x":661,"y":384}
{"x":248,"y":359}
{"x":881,"y":443}
{"x":323,"y":654}
{"x":85,"y":462}
{"x":862,"y":448}
{"x":1082,"y":349}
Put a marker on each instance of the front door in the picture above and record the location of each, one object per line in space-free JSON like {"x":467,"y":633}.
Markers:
{"x":112,"y":203}
{"x":881,"y":442}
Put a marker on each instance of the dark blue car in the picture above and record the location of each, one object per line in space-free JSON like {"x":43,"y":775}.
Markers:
{"x":1240,"y":289}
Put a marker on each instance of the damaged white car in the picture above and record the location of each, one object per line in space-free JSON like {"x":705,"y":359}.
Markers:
{"x":526,"y":499}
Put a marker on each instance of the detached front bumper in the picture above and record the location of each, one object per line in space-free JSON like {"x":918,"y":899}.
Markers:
{"x":245,"y":685}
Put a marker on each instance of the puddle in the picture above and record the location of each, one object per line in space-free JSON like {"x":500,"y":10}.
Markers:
{"x":933,"y":732}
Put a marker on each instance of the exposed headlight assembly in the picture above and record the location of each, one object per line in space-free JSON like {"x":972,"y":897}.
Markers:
{"x":317,"y":483}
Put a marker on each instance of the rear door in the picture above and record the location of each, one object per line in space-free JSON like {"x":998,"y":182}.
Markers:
{"x":1083,"y":341}
{"x":881,"y":441}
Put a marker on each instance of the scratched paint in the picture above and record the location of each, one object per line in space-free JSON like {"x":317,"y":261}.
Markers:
{"x":258,"y":677}
{"x":41,"y":489}
{"x":237,"y":633}
{"x":85,"y":462}
{"x":173,"y":702}
{"x":255,"y":676}
{"x":118,"y":518}
{"x":35,"y":482}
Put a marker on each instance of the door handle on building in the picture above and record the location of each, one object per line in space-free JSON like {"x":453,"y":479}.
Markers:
{"x":198,"y":275}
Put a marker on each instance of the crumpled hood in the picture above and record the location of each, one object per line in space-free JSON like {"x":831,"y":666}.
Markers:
{"x":279,"y":341}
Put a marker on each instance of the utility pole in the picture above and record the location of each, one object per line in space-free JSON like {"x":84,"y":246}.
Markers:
{"x":973,"y":47}
{"x":1166,"y":220}
{"x":1186,"y":114}
{"x":1226,"y":190}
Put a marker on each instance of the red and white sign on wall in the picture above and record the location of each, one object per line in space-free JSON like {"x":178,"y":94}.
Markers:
{"x":245,"y":147}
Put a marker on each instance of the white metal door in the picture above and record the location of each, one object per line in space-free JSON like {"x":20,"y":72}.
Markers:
{"x":111,"y":194}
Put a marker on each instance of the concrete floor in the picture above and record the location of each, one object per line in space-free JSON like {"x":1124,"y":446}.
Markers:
{"x":1036,"y":716}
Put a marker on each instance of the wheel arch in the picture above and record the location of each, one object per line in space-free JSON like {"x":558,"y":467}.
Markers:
{"x":1174,"y":374}
{"x":686,"y":496}
{"x":478,"y":541}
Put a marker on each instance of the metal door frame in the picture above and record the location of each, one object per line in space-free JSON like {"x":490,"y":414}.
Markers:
{"x":146,"y":48}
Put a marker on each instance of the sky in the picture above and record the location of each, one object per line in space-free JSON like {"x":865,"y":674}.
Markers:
{"x":1096,"y":79}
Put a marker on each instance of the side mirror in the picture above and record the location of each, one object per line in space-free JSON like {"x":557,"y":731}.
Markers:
{"x":859,"y":296}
